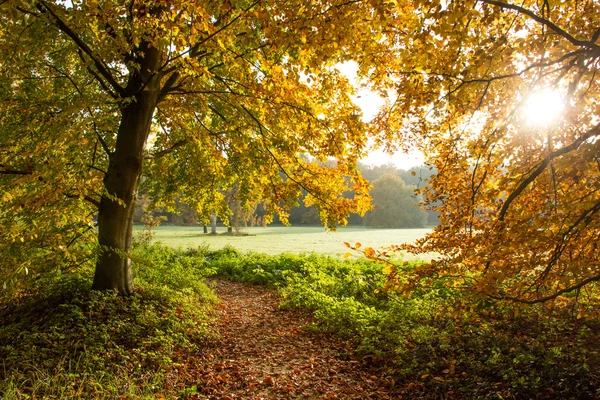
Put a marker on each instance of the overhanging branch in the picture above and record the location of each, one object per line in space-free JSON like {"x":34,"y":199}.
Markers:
{"x":98,"y":63}
{"x":582,"y":43}
{"x":579,"y":285}
{"x":595,"y":131}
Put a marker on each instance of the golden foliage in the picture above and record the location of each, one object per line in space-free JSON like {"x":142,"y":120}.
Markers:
{"x":519,"y":202}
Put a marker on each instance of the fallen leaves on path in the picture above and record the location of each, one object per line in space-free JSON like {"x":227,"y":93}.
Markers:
{"x":264,"y":352}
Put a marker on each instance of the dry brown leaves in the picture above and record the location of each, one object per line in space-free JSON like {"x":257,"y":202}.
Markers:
{"x":263,"y":352}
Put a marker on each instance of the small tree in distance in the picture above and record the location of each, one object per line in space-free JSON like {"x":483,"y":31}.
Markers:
{"x":396,"y":205}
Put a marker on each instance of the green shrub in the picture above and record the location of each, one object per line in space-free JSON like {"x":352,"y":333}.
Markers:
{"x":63,"y":340}
{"x":478,"y":350}
{"x":160,"y":265}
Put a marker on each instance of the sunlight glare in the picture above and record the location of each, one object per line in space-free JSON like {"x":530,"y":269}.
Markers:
{"x":543,"y":107}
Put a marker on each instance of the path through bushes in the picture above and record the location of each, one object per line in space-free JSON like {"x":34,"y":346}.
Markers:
{"x":263,"y":351}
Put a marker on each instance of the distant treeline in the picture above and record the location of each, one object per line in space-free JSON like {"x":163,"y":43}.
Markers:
{"x":396,"y":205}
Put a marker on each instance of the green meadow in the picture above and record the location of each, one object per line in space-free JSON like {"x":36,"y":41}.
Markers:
{"x":274,"y":240}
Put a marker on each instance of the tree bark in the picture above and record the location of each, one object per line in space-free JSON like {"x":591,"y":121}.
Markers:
{"x":115,"y":214}
{"x":213,"y":223}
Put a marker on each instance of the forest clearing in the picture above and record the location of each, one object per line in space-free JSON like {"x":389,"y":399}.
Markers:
{"x":281,"y":239}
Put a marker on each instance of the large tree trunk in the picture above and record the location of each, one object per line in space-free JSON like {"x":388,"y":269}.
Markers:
{"x":115,"y":217}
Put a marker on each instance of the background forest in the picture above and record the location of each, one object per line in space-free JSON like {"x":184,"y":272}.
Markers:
{"x":395,"y":200}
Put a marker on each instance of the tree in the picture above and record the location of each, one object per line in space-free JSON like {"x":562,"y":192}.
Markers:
{"x":519,"y":201}
{"x":199,"y":94}
{"x":417,"y":176}
{"x":395,"y":205}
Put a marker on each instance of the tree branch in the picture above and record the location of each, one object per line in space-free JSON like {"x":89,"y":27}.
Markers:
{"x":25,"y":11}
{"x":171,"y":149}
{"x":545,"y":22}
{"x":169,"y":84}
{"x":14,"y":172}
{"x":564,"y":239}
{"x":193,"y":49}
{"x":553,"y":296}
{"x":86,"y":198}
{"x":98,"y":63}
{"x":545,"y":162}
{"x":97,"y":77}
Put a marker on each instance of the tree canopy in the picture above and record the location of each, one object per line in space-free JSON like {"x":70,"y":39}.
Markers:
{"x":395,"y":205}
{"x":205,"y":95}
{"x":519,"y":200}
{"x":201,"y":94}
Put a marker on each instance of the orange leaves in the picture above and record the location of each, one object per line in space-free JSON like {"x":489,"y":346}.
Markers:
{"x":369,"y":252}
{"x":268,"y":380}
{"x":512,"y":199}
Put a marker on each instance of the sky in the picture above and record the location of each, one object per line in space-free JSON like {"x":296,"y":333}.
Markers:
{"x":370,"y":103}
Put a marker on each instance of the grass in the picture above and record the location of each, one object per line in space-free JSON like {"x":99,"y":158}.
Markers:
{"x":281,"y":239}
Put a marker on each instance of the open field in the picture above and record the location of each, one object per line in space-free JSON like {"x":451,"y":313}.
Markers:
{"x":281,"y":239}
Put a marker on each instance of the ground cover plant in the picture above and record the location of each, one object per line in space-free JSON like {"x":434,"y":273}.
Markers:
{"x":100,"y":345}
{"x":58,"y":339}
{"x":434,"y":341}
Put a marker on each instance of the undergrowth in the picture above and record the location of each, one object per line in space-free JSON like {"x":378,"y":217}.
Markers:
{"x":434,"y":343}
{"x":60,"y":340}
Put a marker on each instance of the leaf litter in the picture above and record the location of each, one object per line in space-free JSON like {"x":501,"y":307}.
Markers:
{"x":260,"y":351}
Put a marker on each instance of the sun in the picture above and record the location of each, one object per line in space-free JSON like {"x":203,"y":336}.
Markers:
{"x":543,"y":107}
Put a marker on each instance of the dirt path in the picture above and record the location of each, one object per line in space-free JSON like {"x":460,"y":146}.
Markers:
{"x":264,"y":352}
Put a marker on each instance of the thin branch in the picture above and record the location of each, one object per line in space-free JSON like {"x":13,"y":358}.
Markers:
{"x":97,"y":77}
{"x":14,"y":172}
{"x":86,"y":198}
{"x":171,"y":149}
{"x":99,"y":64}
{"x":196,"y":47}
{"x":217,"y":112}
{"x":177,"y":91}
{"x":553,"y":296}
{"x":99,"y":136}
{"x":90,"y":166}
{"x":25,"y":11}
{"x":564,"y":239}
{"x":545,"y":22}
{"x":545,"y":162}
